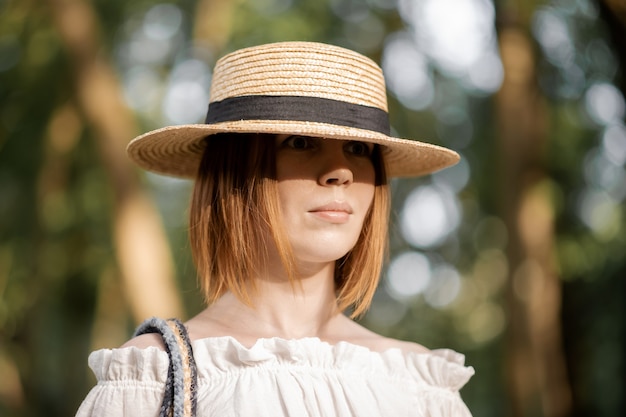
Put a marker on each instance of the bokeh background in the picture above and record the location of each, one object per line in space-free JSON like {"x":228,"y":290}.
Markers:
{"x":515,"y":257}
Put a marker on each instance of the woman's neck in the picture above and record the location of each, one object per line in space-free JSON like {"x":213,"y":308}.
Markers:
{"x":305,"y":308}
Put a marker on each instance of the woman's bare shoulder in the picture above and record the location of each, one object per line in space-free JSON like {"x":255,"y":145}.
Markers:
{"x":403,"y":345}
{"x":145,"y":341}
{"x":195,"y":327}
{"x":380,"y":343}
{"x":360,"y":335}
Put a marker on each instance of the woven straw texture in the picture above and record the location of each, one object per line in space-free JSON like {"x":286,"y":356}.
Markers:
{"x":300,"y":69}
{"x":303,"y":69}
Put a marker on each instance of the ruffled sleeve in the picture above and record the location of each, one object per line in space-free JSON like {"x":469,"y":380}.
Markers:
{"x":443,"y":373}
{"x":284,"y":378}
{"x":309,"y":377}
{"x":131,"y":382}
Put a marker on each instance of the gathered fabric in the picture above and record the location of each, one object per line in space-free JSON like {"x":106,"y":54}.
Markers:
{"x":280,"y":378}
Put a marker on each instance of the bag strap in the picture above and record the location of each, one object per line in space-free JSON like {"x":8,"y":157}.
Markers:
{"x":180,"y":387}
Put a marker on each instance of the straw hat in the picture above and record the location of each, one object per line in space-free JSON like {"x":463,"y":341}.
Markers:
{"x":301,"y":88}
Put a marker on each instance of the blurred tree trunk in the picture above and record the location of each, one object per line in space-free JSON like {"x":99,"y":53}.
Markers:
{"x":141,"y":246}
{"x":617,"y":9}
{"x":613,"y":13}
{"x":213,"y":23}
{"x":536,"y":370}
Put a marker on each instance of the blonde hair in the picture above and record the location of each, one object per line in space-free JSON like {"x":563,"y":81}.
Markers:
{"x":235,"y":204}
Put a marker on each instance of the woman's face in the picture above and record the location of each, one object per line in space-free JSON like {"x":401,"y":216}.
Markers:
{"x":326,"y":188}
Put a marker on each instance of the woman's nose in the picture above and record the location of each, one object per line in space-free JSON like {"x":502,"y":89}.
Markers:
{"x":338,"y":174}
{"x":335,"y":166}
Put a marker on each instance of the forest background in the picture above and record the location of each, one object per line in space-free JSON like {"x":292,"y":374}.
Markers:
{"x":514,"y":257}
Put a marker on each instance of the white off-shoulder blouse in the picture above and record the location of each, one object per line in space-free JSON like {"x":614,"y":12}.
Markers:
{"x":280,"y":378}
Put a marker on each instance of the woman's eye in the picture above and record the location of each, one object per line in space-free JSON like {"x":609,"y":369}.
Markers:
{"x":298,"y":142}
{"x":359,"y":148}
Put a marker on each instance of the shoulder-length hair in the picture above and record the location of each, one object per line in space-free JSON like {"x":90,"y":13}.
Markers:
{"x":235,"y":203}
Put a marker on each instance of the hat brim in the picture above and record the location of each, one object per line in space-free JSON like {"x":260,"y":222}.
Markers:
{"x":177,"y":150}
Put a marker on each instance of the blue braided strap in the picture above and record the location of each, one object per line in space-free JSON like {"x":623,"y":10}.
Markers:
{"x":179,"y":399}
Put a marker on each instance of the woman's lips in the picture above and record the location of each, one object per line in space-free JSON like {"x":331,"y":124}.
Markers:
{"x":335,"y":212}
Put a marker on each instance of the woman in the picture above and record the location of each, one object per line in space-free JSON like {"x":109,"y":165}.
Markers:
{"x":288,"y":226}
